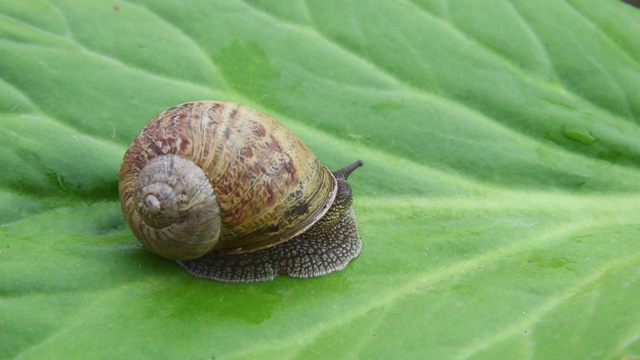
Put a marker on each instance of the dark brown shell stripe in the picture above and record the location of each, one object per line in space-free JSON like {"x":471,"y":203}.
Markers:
{"x":241,"y":151}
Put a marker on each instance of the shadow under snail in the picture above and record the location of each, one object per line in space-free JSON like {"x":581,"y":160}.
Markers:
{"x":234,"y":196}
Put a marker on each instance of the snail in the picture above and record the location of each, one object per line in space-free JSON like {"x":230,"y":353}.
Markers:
{"x":232,"y":195}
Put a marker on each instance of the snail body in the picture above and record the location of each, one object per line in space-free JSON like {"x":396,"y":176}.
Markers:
{"x":232,"y":195}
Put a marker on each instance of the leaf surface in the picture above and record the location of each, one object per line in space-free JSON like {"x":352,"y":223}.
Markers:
{"x":499,"y":203}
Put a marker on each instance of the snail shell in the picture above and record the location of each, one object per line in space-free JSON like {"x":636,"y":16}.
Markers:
{"x":233,"y":195}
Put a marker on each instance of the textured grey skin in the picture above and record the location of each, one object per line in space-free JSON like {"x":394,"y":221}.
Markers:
{"x":327,"y":246}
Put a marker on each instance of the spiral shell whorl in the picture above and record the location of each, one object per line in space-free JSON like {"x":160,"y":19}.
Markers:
{"x":176,"y":203}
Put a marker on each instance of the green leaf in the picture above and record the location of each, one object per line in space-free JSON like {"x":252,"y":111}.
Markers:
{"x":499,"y":204}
